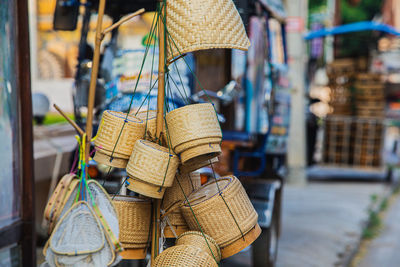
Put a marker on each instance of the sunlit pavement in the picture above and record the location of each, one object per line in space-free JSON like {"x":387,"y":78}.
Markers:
{"x":321,"y":223}
{"x":384,"y":249}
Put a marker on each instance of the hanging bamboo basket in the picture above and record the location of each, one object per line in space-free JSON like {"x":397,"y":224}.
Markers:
{"x":115,"y":138}
{"x":225,"y":223}
{"x":202,"y":241}
{"x":134,"y":215}
{"x":195,"y":133}
{"x":151,"y":169}
{"x":204,"y":24}
{"x":172,"y":201}
{"x":184,"y":255}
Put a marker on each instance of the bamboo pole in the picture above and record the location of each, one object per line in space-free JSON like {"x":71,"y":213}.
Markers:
{"x":159,"y":122}
{"x":93,"y":78}
{"x":73,"y":124}
{"x":95,"y":68}
{"x":122,"y":20}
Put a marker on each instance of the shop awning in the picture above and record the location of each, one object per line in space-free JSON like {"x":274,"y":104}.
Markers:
{"x":352,"y":27}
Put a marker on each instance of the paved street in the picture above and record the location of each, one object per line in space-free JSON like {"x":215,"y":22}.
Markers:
{"x":384,"y":249}
{"x":321,"y":222}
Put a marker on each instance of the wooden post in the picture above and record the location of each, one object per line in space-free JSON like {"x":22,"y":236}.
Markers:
{"x":159,"y":122}
{"x":93,"y":78}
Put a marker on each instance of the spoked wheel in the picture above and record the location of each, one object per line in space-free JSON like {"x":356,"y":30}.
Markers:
{"x":265,"y":248}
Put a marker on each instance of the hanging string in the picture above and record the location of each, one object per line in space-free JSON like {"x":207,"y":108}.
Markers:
{"x":152,"y":29}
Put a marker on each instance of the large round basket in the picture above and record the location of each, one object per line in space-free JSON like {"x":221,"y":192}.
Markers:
{"x":196,"y":25}
{"x":202,"y":241}
{"x":116,"y":136}
{"x":184,"y":255}
{"x":134,"y":215}
{"x":225,"y":213}
{"x":195,"y":133}
{"x":151,"y":169}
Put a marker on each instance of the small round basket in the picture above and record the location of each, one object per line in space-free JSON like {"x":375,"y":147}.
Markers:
{"x":151,"y":167}
{"x":134,"y":216}
{"x":184,"y":255}
{"x":173,"y":199}
{"x":115,"y":138}
{"x":204,"y":242}
{"x":227,"y":216}
{"x":195,"y":133}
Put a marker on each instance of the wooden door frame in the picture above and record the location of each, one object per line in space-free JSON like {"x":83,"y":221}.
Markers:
{"x":23,"y":230}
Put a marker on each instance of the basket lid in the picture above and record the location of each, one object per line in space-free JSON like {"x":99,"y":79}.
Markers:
{"x":204,"y":24}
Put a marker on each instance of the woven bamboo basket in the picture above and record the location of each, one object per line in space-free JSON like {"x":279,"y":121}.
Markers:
{"x":195,"y":133}
{"x":134,"y":215}
{"x":151,"y":167}
{"x":57,"y":196}
{"x":173,"y":199}
{"x":184,"y":255}
{"x":225,"y":225}
{"x":115,"y":135}
{"x":195,"y":165}
{"x":196,"y":25}
{"x":175,"y":224}
{"x":204,"y":242}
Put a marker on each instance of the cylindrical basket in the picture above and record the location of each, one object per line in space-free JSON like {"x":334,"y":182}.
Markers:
{"x":173,"y":199}
{"x":184,"y":255}
{"x":227,"y":216}
{"x":151,"y":167}
{"x":204,"y":242}
{"x":134,"y":216}
{"x":195,"y":133}
{"x":115,"y":138}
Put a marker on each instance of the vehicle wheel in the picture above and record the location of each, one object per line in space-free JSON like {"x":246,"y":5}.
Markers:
{"x":265,"y":248}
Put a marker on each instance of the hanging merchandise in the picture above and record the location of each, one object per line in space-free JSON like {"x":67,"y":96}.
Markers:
{"x":206,"y":24}
{"x":184,"y":255}
{"x":202,"y":241}
{"x":134,"y":215}
{"x":224,"y":212}
{"x":195,"y":133}
{"x":152,"y":145}
{"x":116,"y":136}
{"x":184,"y":184}
{"x":151,"y":169}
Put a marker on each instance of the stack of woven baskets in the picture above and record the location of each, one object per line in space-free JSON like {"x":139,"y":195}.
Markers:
{"x":192,"y":137}
{"x":369,"y":96}
{"x":341,"y":73}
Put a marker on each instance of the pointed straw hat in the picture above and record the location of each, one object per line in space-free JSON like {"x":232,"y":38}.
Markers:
{"x":204,"y":24}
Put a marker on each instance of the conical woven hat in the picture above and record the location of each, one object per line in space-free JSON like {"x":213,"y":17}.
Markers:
{"x":204,"y":24}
